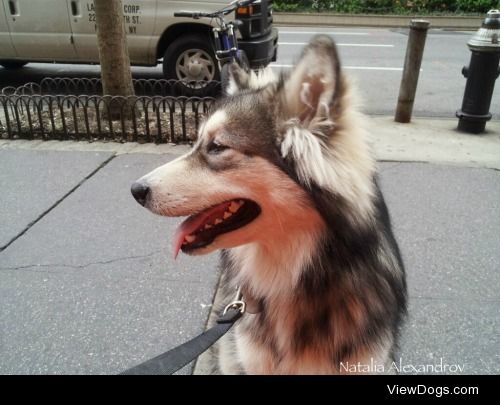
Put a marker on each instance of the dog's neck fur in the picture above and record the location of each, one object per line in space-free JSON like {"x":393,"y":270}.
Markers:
{"x":271,"y":267}
{"x":275,"y":272}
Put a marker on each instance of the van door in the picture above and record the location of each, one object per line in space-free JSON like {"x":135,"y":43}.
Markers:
{"x":40,"y":30}
{"x":7,"y":51}
{"x":139,"y":16}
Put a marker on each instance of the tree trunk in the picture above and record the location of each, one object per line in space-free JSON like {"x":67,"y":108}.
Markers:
{"x":113,"y":54}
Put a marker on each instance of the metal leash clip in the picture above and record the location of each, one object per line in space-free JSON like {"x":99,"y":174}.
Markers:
{"x":237,"y":304}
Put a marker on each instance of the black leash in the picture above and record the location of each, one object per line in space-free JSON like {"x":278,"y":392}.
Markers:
{"x":173,"y":360}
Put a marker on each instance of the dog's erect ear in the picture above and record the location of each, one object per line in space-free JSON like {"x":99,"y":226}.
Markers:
{"x":312,"y":87}
{"x":309,"y":97}
{"x":239,"y":79}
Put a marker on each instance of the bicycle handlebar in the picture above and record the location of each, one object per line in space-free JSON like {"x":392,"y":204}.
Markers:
{"x":190,"y":14}
{"x":226,"y":10}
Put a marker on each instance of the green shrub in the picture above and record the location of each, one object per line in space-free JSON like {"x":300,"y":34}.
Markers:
{"x":425,"y":6}
{"x":283,"y":5}
{"x":477,"y":6}
{"x":388,"y":6}
{"x":348,"y":6}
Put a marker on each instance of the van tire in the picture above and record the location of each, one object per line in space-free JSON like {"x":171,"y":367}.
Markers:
{"x":187,"y":51}
{"x":13,"y":64}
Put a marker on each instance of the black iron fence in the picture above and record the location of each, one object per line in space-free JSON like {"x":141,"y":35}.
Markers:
{"x":161,"y":111}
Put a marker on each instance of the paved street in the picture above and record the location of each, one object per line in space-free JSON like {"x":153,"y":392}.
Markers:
{"x":373,"y":57}
{"x":90,"y":287}
{"x":87,"y":284}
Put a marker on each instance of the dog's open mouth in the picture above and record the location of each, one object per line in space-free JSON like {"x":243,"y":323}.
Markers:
{"x":201,"y":229}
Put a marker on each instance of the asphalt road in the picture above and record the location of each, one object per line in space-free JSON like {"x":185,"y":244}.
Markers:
{"x":88,"y":274}
{"x":373,"y":57}
{"x":88,"y":285}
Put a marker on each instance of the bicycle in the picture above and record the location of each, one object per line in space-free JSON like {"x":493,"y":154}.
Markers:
{"x":225,"y":43}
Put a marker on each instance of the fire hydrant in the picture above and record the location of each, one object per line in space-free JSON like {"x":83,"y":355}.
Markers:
{"x":481,"y":75}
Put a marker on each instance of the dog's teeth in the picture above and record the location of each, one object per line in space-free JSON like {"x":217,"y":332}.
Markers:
{"x":189,"y":238}
{"x":227,"y":215}
{"x":218,"y":221}
{"x":234,"y":207}
{"x":208,"y":226}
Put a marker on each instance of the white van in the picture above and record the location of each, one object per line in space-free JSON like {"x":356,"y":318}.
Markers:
{"x":64,"y":31}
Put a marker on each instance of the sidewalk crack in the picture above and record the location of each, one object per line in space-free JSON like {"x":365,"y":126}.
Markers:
{"x":29,"y":267}
{"x":43,"y":214}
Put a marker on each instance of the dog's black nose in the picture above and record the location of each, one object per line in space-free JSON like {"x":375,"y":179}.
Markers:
{"x":140,"y":192}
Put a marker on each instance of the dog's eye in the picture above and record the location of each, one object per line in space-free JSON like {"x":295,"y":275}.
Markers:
{"x":216,"y":147}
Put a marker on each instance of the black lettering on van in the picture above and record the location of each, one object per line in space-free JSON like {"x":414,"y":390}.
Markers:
{"x":131,"y":8}
{"x":132,"y":29}
{"x":90,"y":7}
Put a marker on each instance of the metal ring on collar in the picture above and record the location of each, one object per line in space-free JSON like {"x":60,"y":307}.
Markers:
{"x":235,"y":305}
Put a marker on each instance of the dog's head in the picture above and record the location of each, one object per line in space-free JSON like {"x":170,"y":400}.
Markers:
{"x":259,"y":153}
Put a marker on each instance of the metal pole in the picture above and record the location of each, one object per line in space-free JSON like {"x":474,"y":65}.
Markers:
{"x":413,"y":60}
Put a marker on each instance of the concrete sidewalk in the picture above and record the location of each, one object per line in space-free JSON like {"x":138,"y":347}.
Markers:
{"x":87,"y":284}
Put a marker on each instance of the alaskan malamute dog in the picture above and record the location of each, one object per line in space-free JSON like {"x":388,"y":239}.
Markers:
{"x":282,"y":180}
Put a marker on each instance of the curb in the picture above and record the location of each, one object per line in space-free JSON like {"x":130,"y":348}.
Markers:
{"x":431,"y":140}
{"x":360,"y":20}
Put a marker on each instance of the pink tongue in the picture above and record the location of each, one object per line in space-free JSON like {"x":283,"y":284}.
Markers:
{"x":195,"y":222}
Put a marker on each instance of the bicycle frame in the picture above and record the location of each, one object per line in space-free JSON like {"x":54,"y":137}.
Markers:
{"x":226,"y":43}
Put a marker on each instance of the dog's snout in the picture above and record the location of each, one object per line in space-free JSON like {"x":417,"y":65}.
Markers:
{"x":140,"y":191}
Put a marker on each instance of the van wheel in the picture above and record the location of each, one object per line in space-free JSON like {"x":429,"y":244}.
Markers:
{"x":191,"y":60}
{"x":12,"y":64}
